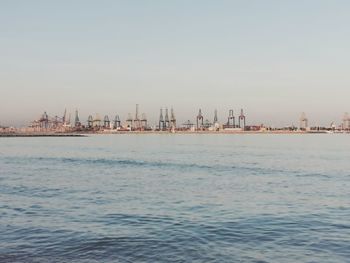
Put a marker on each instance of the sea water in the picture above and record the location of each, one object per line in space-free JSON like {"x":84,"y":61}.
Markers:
{"x":175,"y":198}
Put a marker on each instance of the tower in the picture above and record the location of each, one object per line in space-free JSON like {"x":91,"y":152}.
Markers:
{"x":76,"y":120}
{"x":166,"y":119}
{"x":137,"y":122}
{"x":116,"y":122}
{"x":215,"y":116}
{"x":200,"y":119}
{"x":106,"y":122}
{"x":231,"y":120}
{"x":161,"y":120}
{"x":172,"y":119}
{"x":241,"y":118}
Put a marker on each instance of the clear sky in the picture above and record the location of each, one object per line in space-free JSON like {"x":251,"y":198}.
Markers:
{"x":275,"y":59}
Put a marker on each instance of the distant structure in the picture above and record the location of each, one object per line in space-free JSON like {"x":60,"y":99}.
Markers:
{"x":97,"y":121}
{"x":172,"y":119}
{"x":333,"y":126}
{"x":303,"y":122}
{"x":64,"y":118}
{"x":161,"y":121}
{"x":106,"y":122}
{"x":230,"y":120}
{"x":129,"y":121}
{"x":241,"y":118}
{"x":215,"y":117}
{"x":200,"y":120}
{"x":207,"y":124}
{"x":47,"y":123}
{"x":144,"y":121}
{"x":90,"y":121}
{"x":137,"y":121}
{"x":44,"y":121}
{"x":68,"y":121}
{"x":116,"y":124}
{"x":188,"y":125}
{"x":215,"y":125}
{"x":346,"y":122}
{"x":76,"y":120}
{"x":166,"y":120}
{"x":56,"y":123}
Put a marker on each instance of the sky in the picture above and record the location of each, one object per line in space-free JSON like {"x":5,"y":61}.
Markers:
{"x":275,"y":59}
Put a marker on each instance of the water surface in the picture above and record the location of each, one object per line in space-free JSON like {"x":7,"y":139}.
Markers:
{"x":175,"y":198}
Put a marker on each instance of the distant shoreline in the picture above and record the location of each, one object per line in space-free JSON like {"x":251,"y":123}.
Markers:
{"x":41,"y":135}
{"x":84,"y":134}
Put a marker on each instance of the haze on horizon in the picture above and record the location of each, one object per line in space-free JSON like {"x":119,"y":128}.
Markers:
{"x":275,"y":59}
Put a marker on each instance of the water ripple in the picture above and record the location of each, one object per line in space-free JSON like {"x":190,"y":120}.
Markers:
{"x":175,"y":199}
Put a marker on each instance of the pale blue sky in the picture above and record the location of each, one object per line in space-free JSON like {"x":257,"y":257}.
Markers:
{"x":273,"y":58}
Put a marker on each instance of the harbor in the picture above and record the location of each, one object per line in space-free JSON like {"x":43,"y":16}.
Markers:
{"x":63,"y":126}
{"x":174,"y":131}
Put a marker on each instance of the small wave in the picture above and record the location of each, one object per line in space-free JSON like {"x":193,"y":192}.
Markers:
{"x":248,"y":169}
{"x":168,"y":239}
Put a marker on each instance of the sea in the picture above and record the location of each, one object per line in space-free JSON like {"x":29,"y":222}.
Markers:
{"x":175,"y":198}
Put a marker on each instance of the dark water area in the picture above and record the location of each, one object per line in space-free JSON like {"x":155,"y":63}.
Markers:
{"x":175,"y":198}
